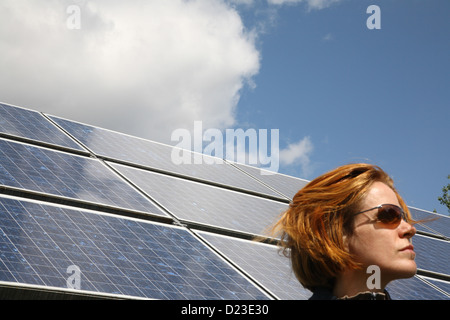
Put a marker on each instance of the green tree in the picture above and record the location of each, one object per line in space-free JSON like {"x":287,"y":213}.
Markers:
{"x":445,"y":199}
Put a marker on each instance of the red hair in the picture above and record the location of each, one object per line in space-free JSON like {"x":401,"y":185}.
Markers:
{"x":312,"y":229}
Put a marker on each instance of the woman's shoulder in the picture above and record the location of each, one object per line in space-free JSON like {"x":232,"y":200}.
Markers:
{"x":322,"y":293}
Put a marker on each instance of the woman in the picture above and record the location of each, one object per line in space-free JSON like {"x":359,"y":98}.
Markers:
{"x":348,"y":234}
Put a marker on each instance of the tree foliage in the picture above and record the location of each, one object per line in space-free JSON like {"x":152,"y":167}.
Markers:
{"x":445,"y":199}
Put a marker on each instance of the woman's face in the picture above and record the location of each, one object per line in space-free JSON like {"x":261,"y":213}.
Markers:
{"x":387,"y":247}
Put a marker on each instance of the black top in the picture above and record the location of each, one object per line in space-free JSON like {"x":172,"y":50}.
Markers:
{"x":327,"y":294}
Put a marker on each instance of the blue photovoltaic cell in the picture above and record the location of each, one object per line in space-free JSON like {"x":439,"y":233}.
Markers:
{"x":32,"y":125}
{"x":70,"y":176}
{"x":38,"y":243}
{"x":200,"y":203}
{"x":421,"y":228}
{"x":441,"y":284}
{"x":262,"y":262}
{"x":118,"y":146}
{"x":414,"y":289}
{"x":432,"y":254}
{"x":286,"y":185}
{"x":437,"y":223}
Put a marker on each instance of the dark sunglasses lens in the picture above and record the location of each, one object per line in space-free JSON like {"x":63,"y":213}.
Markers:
{"x":389,"y":214}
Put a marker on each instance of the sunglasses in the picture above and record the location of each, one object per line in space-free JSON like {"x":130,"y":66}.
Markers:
{"x":388,"y":214}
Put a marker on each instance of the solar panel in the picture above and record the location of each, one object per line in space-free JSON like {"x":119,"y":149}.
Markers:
{"x":283,"y":184}
{"x":118,"y":146}
{"x":440,"y":284}
{"x":64,"y":202}
{"x":208,"y":205}
{"x":432,"y":254}
{"x":36,"y":169}
{"x":46,"y":245}
{"x":414,"y":288}
{"x":434,"y":223}
{"x":263,"y":262}
{"x":33,"y":126}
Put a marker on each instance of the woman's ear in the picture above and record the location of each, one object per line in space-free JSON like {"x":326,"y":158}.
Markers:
{"x":345,"y":241}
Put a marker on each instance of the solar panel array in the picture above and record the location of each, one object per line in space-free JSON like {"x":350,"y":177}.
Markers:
{"x":89,"y":210}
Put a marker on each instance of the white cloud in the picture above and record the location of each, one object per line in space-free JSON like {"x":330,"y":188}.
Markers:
{"x":141,"y":67}
{"x":328,"y":37}
{"x":244,"y":2}
{"x":312,"y":4}
{"x":298,"y":153}
{"x":253,"y":148}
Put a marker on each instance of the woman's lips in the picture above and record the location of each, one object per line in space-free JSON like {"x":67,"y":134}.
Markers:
{"x":410,"y":250}
{"x":408,"y":247}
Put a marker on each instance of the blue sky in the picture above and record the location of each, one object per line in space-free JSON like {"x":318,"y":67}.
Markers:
{"x":336,"y":91}
{"x":377,"y":96}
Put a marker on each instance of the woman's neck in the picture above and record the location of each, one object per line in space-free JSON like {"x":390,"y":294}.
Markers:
{"x":352,"y":282}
